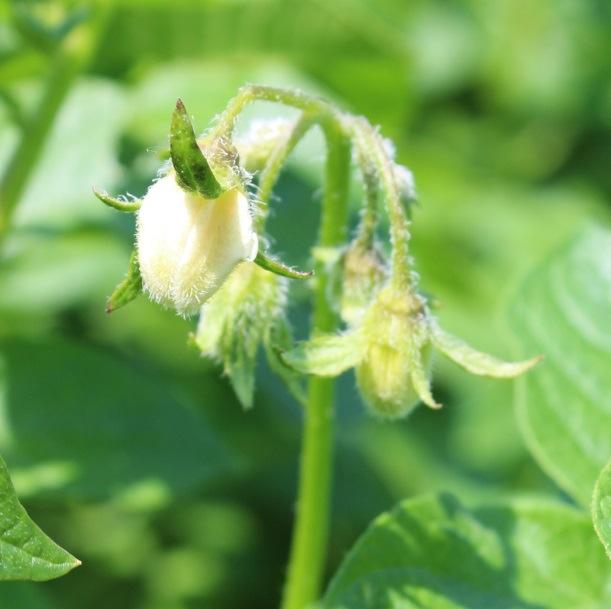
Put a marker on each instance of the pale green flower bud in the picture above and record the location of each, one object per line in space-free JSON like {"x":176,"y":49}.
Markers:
{"x":394,"y":373}
{"x":256,"y":145}
{"x":247,"y":312}
{"x":188,"y":244}
{"x":391,"y":353}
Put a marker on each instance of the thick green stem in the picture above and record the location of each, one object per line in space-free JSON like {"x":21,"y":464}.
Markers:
{"x":70,"y":60}
{"x":308,"y":551}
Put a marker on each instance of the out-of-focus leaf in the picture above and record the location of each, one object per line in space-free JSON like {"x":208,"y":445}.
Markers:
{"x":78,"y":154}
{"x":43,"y":273}
{"x":93,"y":426}
{"x":24,"y":595}
{"x":563,"y":311}
{"x":601,"y":507}
{"x":27,"y":553}
{"x":433,"y":553}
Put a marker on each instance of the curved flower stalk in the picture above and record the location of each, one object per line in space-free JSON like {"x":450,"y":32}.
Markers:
{"x":391,"y":330}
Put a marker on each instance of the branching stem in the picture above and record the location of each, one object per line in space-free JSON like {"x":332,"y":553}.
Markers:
{"x":70,"y":60}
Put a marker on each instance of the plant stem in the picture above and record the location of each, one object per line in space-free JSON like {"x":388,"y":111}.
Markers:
{"x":372,"y":146}
{"x":71,"y":58}
{"x":308,"y":549}
{"x":307,"y":558}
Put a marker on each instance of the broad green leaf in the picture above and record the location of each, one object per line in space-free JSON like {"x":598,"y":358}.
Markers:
{"x":48,"y":271}
{"x":129,"y":289}
{"x":79,"y":153}
{"x":563,"y":311}
{"x":25,"y":551}
{"x":601,"y":507}
{"x":434,"y":553}
{"x":94,"y":426}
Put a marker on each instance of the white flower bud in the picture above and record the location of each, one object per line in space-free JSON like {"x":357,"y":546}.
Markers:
{"x":187,"y":244}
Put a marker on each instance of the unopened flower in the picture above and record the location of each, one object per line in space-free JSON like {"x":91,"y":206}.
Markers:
{"x":391,"y":353}
{"x":246,"y":313}
{"x":188,"y":244}
{"x":256,"y":145}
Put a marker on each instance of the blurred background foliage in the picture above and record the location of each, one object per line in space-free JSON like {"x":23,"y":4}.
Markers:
{"x":131,"y":450}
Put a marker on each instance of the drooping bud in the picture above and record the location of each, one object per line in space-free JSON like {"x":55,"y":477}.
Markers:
{"x":188,"y":244}
{"x":394,"y":373}
{"x":391,"y":352}
{"x":257,"y":144}
{"x":247,"y":312}
{"x":363,"y":274}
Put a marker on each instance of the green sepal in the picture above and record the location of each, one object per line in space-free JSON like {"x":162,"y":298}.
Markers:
{"x":129,"y":289}
{"x":116,"y":203}
{"x":278,"y":339}
{"x":326,"y":354}
{"x":474,"y":361}
{"x":193,"y":172}
{"x":279,"y":268}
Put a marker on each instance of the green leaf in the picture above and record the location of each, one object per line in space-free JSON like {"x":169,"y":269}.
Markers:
{"x":563,"y":311}
{"x":93,"y":426}
{"x":601,"y":507}
{"x":59,"y":191}
{"x":327,"y":354}
{"x":27,"y":553}
{"x":47,"y":271}
{"x":434,"y":553}
{"x":129,"y":289}
{"x":192,"y":169}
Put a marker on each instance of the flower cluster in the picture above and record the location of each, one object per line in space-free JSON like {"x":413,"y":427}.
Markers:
{"x":198,"y":250}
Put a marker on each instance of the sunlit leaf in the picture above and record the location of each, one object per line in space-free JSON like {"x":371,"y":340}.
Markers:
{"x":601,"y":507}
{"x":92,"y":425}
{"x":27,"y":553}
{"x":563,"y":311}
{"x":434,"y":553}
